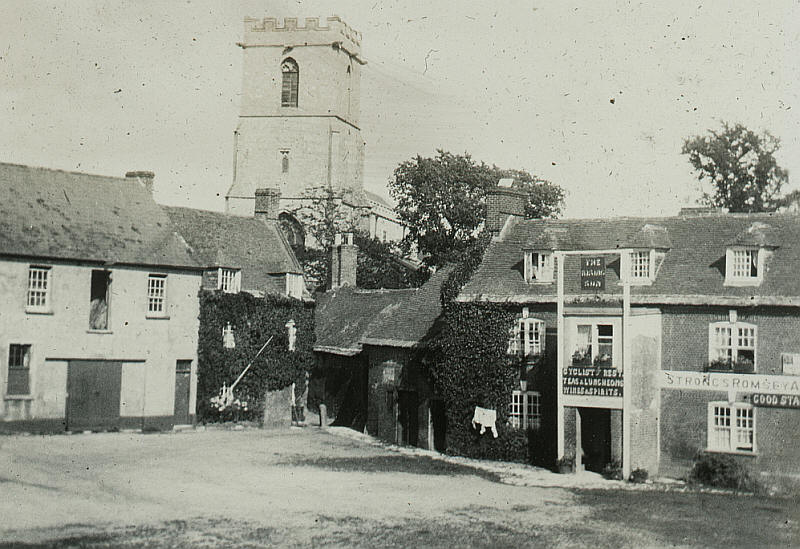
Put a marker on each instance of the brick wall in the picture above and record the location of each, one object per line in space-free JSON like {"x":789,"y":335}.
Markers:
{"x":500,"y":203}
{"x":684,"y":414}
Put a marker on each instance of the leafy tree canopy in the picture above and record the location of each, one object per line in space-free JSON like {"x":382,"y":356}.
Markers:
{"x":740,"y":166}
{"x":442,"y":200}
{"x":323,"y":213}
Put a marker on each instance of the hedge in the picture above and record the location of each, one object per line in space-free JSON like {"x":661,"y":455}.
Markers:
{"x":253,"y":320}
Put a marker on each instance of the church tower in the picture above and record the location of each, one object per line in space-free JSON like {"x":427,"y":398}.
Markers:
{"x":299,"y":119}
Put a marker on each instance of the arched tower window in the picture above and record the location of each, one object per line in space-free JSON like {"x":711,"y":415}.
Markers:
{"x":291,"y":76}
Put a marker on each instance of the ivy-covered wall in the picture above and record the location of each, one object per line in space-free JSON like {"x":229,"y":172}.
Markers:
{"x":470,"y":367}
{"x":253,"y":320}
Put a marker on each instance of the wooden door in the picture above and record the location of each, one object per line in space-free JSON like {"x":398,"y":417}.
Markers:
{"x":183,"y":376}
{"x":93,"y":395}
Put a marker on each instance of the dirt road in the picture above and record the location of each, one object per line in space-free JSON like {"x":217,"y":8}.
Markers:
{"x":305,"y":487}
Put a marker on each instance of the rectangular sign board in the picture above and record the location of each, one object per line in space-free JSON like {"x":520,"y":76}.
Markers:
{"x":593,"y":273}
{"x":591,"y":381}
{"x":743,"y":383}
{"x":775,"y":401}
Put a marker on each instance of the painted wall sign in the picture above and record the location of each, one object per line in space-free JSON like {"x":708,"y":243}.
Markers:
{"x":589,"y":381}
{"x":712,"y":381}
{"x":775,"y":401}
{"x":593,"y":273}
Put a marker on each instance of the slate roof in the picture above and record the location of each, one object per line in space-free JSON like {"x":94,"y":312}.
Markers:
{"x":692,"y":271}
{"x":58,"y":214}
{"x":412,"y":321}
{"x":344,"y":315}
{"x":255,"y":246}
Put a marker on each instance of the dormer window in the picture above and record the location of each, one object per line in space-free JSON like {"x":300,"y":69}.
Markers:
{"x":538,"y":267}
{"x":743,"y":266}
{"x":640,"y":265}
{"x":229,"y":280}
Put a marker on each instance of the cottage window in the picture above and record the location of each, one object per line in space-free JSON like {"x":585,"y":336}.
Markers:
{"x":594,"y":345}
{"x":156,"y":294}
{"x":640,"y":265}
{"x":19,"y":368}
{"x":290,"y":74}
{"x":98,"y":300}
{"x":229,"y":280}
{"x":731,"y":427}
{"x":732,"y":343}
{"x":38,"y":288}
{"x":743,"y":266}
{"x":524,"y":410}
{"x":527,"y":337}
{"x":538,"y":267}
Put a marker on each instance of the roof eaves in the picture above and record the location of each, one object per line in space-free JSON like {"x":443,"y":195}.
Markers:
{"x":333,"y":350}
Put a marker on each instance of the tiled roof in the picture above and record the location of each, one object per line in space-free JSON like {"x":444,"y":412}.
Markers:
{"x":692,"y":271}
{"x":76,"y":216}
{"x":344,"y":315}
{"x":410,"y":322}
{"x":255,"y":246}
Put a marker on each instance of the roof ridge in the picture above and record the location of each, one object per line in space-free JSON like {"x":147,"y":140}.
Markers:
{"x":61,"y":170}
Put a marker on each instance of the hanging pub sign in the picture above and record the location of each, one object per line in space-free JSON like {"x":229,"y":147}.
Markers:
{"x":593,"y":273}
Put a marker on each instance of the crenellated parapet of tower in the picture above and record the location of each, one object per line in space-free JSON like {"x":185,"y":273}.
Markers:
{"x":270,"y":32}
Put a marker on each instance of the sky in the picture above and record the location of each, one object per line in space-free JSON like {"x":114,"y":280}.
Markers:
{"x":596,"y":97}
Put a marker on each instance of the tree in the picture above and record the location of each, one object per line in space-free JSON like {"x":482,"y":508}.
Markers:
{"x":741,"y":167}
{"x":442,"y":200}
{"x":324,"y":213}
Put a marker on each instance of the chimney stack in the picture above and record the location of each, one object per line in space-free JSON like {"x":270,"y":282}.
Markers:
{"x":144,"y":177}
{"x":502,"y":202}
{"x":344,"y":259}
{"x":268,"y":203}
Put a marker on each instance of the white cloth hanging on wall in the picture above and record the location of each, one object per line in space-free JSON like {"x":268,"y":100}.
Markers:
{"x":486,"y":418}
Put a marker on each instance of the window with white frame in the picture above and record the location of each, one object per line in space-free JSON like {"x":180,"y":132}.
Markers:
{"x":732,"y":342}
{"x":640,"y":265}
{"x":229,"y":280}
{"x":527,"y":337}
{"x":743,"y":266}
{"x":524,"y":410}
{"x":156,"y":294}
{"x":538,"y":266}
{"x":19,"y":369}
{"x":38,"y":288}
{"x":731,"y":427}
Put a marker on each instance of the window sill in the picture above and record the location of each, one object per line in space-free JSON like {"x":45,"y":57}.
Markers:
{"x":742,"y":282}
{"x":90,"y":331}
{"x":733,"y":452}
{"x":156,"y":317}
{"x":32,"y":311}
{"x":640,"y":282}
{"x":18,"y":397}
{"x":540,"y":281}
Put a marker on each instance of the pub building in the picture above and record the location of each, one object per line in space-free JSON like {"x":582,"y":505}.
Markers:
{"x":668,"y":336}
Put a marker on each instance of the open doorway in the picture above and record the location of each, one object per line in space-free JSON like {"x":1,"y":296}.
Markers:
{"x":595,"y":438}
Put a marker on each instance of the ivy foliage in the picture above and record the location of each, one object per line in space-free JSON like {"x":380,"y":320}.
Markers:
{"x":253,"y":320}
{"x":473,"y":369}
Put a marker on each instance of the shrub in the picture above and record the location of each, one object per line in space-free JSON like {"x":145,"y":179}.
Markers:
{"x":721,"y":471}
{"x":638,"y":476}
{"x":612,"y":471}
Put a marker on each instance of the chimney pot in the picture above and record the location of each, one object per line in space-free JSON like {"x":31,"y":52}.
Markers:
{"x":144,"y":177}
